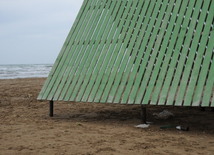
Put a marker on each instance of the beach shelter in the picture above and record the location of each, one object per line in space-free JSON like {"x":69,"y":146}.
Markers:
{"x":148,"y":52}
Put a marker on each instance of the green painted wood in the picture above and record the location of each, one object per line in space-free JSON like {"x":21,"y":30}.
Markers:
{"x":171,"y":62}
{"x":63,"y":61}
{"x":107,"y":47}
{"x":212,"y":102}
{"x":112,"y":49}
{"x":191,"y":56}
{"x":97,"y":56}
{"x":140,"y":52}
{"x":85,"y":64}
{"x":137,"y":52}
{"x":94,"y":70}
{"x":123,"y":56}
{"x":147,"y":36}
{"x":155,"y":51}
{"x":185,"y":40}
{"x":118,"y":54}
{"x":92,"y":88}
{"x":160,"y":100}
{"x":130,"y":55}
{"x":163,"y":39}
{"x":71,"y":58}
{"x":198,"y":60}
{"x":138,"y":88}
{"x":153,"y":66}
{"x":82,"y":51}
{"x":74,"y":28}
{"x":208,"y":87}
{"x":204,"y":71}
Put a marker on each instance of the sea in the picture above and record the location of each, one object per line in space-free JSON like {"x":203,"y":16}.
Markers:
{"x":24,"y":71}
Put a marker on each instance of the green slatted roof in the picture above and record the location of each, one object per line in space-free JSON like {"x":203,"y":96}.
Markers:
{"x":157,"y":52}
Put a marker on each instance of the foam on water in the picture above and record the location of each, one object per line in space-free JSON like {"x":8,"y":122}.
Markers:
{"x":24,"y":71}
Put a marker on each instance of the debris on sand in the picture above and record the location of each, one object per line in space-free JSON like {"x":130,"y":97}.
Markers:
{"x":142,"y":126}
{"x":165,"y":114}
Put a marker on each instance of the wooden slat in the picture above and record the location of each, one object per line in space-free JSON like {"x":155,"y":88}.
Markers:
{"x":204,"y":71}
{"x":171,"y":61}
{"x":118,"y":55}
{"x":112,"y":50}
{"x":75,"y":52}
{"x":186,"y":40}
{"x":208,"y":87}
{"x":164,"y":50}
{"x":74,"y":29}
{"x":132,"y":51}
{"x":212,"y":102}
{"x":108,"y":48}
{"x":205,"y":34}
{"x":62,"y":64}
{"x":154,"y":11}
{"x":140,"y":52}
{"x":92,"y":88}
{"x":196,"y":40}
{"x":160,"y":49}
{"x":73,"y":81}
{"x":82,"y":51}
{"x":89,"y":71}
{"x":139,"y":87}
{"x":169,"y":52}
{"x":95,"y":70}
{"x":123,"y":56}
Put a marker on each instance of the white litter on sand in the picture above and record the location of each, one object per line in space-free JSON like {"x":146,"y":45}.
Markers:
{"x":142,"y":126}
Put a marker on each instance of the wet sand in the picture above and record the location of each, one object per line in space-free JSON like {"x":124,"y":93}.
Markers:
{"x":88,"y":129}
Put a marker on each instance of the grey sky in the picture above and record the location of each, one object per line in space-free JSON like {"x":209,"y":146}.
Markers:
{"x":33,"y":31}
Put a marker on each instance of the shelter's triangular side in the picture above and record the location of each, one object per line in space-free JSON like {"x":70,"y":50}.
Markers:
{"x":137,"y":52}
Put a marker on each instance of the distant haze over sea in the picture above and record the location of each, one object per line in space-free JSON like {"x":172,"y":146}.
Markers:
{"x":24,"y":71}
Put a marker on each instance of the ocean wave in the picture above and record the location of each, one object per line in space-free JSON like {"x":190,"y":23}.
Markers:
{"x":24,"y":71}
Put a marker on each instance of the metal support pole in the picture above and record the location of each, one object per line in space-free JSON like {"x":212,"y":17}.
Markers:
{"x":143,"y":114}
{"x":202,"y":108}
{"x":51,"y":108}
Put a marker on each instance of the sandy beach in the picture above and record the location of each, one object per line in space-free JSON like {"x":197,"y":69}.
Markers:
{"x":94,"y":129}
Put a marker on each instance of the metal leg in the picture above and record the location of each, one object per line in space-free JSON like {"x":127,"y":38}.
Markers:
{"x":202,"y":108}
{"x":143,"y":114}
{"x":51,"y":108}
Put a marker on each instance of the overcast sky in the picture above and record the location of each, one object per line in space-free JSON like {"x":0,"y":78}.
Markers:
{"x":33,"y":31}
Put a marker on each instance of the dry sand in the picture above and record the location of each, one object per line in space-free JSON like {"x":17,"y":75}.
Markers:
{"x":88,"y":129}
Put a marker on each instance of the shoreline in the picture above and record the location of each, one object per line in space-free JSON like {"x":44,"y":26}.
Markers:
{"x":19,"y":71}
{"x":30,"y":78}
{"x":94,"y":128}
